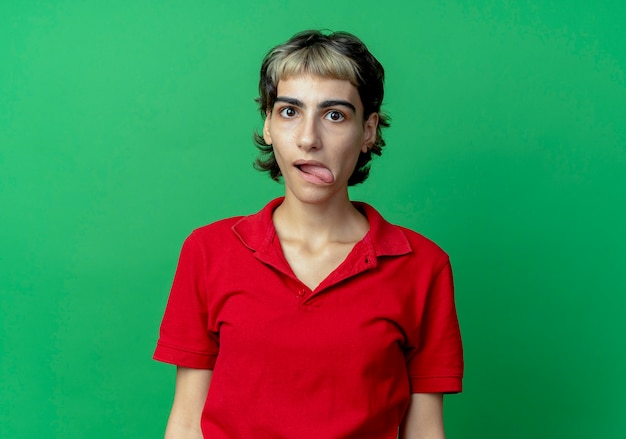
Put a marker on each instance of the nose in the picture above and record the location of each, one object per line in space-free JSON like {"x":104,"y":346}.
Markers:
{"x":308,"y":135}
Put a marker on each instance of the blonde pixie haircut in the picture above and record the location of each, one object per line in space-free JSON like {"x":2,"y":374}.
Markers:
{"x":336,"y":55}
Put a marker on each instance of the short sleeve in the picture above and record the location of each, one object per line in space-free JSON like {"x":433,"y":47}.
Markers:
{"x":435,"y":362}
{"x":184,"y":339}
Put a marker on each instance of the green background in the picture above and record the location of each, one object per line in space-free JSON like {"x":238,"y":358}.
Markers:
{"x":126,"y":124}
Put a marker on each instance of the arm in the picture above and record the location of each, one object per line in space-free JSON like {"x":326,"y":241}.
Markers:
{"x":424,"y":417}
{"x":192,"y":387}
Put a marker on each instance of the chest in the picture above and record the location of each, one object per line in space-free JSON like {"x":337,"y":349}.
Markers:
{"x":365,"y":317}
{"x":312,"y":358}
{"x":312,"y":267}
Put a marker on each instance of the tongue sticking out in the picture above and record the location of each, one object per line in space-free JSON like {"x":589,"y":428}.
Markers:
{"x":320,"y":172}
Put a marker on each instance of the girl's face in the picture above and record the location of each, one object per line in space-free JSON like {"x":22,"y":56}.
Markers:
{"x":317,"y":131}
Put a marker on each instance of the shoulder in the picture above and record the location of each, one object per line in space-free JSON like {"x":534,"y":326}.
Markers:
{"x":250,"y":230}
{"x":395,"y":240}
{"x":425,"y":254}
{"x":215,"y":230}
{"x":209,"y":239}
{"x":422,"y":244}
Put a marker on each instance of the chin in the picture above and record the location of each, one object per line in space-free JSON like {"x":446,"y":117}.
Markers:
{"x":316,"y":195}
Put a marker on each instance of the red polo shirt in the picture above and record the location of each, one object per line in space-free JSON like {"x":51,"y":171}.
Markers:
{"x":337,"y":362}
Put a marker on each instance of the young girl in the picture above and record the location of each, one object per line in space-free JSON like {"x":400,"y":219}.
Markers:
{"x":313,"y":318}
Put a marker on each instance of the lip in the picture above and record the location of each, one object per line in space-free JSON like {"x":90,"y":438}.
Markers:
{"x":298,"y":163}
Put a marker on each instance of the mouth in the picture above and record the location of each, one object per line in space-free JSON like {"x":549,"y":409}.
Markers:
{"x":315,"y":172}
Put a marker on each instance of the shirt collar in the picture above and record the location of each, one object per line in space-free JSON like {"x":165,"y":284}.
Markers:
{"x":257,"y":231}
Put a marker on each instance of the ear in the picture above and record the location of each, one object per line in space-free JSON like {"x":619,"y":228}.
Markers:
{"x":266,"y":128}
{"x":369,"y":135}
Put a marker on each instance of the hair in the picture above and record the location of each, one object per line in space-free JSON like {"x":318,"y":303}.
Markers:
{"x":335,"y":55}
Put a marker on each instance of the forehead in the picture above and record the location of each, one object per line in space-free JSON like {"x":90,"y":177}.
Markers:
{"x":315,"y":89}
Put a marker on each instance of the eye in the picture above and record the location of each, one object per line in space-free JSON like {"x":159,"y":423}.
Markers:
{"x":335,"y":116}
{"x":288,"y":112}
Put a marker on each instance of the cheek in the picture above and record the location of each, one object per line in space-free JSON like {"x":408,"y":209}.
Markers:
{"x":278,"y":153}
{"x":349,"y":157}
{"x":355,"y":143}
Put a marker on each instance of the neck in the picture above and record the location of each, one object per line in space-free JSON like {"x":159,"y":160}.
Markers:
{"x":333,"y":220}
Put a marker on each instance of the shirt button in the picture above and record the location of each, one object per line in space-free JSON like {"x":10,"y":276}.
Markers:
{"x":301,"y":293}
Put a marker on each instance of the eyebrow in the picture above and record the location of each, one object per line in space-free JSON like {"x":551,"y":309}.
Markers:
{"x":324,"y":104}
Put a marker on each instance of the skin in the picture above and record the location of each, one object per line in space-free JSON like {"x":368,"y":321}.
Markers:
{"x":192,"y":387}
{"x":316,"y":121}
{"x":424,"y":417}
